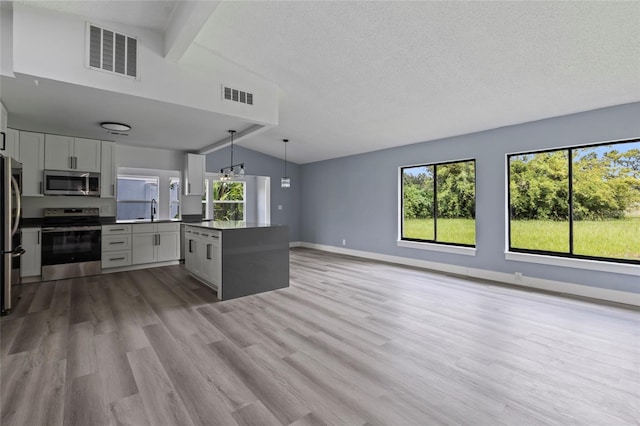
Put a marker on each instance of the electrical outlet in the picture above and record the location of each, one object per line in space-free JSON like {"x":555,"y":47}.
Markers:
{"x":344,"y":242}
{"x":279,"y":206}
{"x":518,"y":276}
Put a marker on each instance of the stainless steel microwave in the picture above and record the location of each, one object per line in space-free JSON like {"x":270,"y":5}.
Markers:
{"x":59,"y":182}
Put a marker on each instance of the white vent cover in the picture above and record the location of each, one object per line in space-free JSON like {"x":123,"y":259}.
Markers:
{"x":236,"y":95}
{"x":110,"y":51}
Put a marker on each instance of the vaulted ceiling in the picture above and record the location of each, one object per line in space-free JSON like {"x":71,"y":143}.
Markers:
{"x":362,"y":76}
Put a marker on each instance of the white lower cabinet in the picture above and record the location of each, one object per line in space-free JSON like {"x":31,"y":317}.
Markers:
{"x":116,"y":246}
{"x":30,"y":262}
{"x":137,"y":244}
{"x":155,"y":242}
{"x":203,"y":255}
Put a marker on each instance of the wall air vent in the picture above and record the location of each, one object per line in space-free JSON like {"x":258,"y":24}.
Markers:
{"x":110,"y":51}
{"x":236,"y":95}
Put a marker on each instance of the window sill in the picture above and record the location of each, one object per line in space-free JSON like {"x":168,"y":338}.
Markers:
{"x":466,"y":251}
{"x":593,"y":265}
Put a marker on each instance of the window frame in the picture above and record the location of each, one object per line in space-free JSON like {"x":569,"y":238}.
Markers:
{"x":140,"y":201}
{"x":177,"y":202}
{"x":513,"y":252}
{"x":210,"y":180}
{"x":451,"y":247}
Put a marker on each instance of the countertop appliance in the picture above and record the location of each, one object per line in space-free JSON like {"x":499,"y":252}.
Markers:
{"x":71,"y":243}
{"x":60,"y":182}
{"x":10,"y":248}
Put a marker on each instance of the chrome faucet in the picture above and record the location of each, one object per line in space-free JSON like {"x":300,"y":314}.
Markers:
{"x":154,"y":204}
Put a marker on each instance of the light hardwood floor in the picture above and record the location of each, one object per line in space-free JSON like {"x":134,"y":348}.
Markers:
{"x":350,"y":342}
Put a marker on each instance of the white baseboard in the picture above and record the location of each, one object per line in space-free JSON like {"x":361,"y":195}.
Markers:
{"x":295,"y":244}
{"x":502,"y":277}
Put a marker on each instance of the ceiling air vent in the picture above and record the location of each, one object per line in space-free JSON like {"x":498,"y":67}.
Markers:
{"x":111,"y":51}
{"x":237,"y":95}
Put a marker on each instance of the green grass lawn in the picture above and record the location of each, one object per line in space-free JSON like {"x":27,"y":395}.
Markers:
{"x":619,"y":239}
{"x":460,"y":231}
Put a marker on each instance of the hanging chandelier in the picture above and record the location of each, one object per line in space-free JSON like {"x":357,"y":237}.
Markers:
{"x":285,"y":181}
{"x":230,"y":172}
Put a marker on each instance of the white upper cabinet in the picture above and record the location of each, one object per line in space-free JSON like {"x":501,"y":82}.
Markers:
{"x":58,"y":152}
{"x":87,"y":153}
{"x":107,"y":170}
{"x":194,"y":174}
{"x":3,"y":118}
{"x":67,"y":153}
{"x":9,"y":137}
{"x":31,"y":155}
{"x":10,"y":145}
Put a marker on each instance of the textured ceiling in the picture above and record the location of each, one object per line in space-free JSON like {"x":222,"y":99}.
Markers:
{"x":358,"y":76}
{"x":363,"y":76}
{"x":150,"y":14}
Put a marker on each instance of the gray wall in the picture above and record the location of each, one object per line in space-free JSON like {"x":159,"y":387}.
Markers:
{"x":258,"y":164}
{"x":356,"y":197}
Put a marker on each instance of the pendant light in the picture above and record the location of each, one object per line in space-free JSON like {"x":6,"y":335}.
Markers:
{"x":228,"y":173}
{"x":285,"y":181}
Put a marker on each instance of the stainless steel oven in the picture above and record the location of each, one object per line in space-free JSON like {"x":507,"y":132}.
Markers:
{"x":58,"y":182}
{"x":71,"y":243}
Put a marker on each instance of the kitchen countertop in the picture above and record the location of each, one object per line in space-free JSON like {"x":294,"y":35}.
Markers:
{"x":119,"y":222}
{"x":228,"y":225}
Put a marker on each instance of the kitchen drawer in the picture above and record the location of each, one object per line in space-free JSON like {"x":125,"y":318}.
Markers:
{"x":212,"y":235}
{"x":145,"y":228}
{"x":114,"y":259}
{"x":116,"y":242}
{"x":152,"y":228}
{"x":169,"y":227}
{"x":115,"y":229}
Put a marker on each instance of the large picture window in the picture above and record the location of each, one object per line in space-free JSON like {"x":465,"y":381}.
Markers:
{"x":228,"y":200}
{"x":134,"y":196}
{"x":224,"y":200}
{"x":439,"y":203}
{"x":579,"y":202}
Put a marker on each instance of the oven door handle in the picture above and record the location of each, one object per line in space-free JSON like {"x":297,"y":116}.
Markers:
{"x":71,"y":228}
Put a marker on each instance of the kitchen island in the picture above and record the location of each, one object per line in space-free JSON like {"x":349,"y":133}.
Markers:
{"x":237,"y":258}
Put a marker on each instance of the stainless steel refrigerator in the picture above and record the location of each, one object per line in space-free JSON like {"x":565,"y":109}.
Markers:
{"x":10,"y":248}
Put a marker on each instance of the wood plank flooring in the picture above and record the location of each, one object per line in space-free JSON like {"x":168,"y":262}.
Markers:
{"x":351,"y":342}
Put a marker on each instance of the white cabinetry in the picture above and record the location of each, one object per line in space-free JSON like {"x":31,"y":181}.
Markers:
{"x":116,"y":246}
{"x":194,"y":174}
{"x":9,"y":146}
{"x":30,"y":262}
{"x":203,"y":255}
{"x":155,"y":242}
{"x":4,"y":116}
{"x":31,"y":155}
{"x":107,"y":170}
{"x":67,"y":153}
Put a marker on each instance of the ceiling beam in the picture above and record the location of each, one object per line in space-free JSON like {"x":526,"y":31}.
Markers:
{"x":240,"y":135}
{"x":188,"y":19}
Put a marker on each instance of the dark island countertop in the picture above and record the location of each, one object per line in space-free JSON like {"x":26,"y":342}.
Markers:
{"x":229,"y":225}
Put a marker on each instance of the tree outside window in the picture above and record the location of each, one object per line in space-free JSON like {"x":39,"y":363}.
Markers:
{"x":438,"y":203}
{"x":228,"y":200}
{"x":578,"y":202}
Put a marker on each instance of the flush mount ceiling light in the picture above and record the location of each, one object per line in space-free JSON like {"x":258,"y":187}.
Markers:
{"x":115,"y":127}
{"x":285,"y":181}
{"x":228,"y":173}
